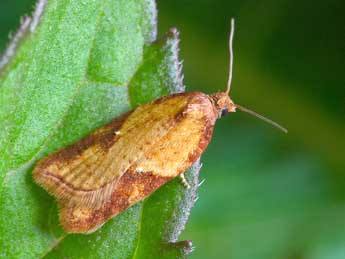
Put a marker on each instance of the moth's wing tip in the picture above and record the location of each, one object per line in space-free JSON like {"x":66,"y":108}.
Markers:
{"x":41,"y":172}
{"x":39,"y":176}
{"x":38,"y":171}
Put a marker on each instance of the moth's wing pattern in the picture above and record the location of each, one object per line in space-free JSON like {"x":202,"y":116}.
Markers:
{"x":86,"y":173}
{"x":69,"y":173}
{"x":170,"y":147}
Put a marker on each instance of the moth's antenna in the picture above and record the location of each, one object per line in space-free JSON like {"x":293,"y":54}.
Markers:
{"x":231,"y":58}
{"x":244,"y":109}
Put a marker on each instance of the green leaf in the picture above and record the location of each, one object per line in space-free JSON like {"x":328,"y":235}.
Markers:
{"x":70,"y":69}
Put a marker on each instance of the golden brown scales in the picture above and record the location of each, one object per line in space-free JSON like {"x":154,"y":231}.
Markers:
{"x":129,"y":158}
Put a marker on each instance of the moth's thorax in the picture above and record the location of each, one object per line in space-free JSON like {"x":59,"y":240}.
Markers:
{"x":222,"y":103}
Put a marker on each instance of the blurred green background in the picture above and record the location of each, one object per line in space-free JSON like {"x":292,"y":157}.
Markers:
{"x":267,"y":194}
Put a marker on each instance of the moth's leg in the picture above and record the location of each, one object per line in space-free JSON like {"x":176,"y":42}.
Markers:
{"x":184,"y":181}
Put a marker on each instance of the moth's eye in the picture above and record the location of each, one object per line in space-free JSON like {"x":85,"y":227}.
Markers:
{"x":224,"y":112}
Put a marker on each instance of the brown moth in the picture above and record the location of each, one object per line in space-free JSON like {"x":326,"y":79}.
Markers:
{"x":126,"y":160}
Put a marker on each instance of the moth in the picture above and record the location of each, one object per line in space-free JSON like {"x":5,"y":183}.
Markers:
{"x":126,"y":160}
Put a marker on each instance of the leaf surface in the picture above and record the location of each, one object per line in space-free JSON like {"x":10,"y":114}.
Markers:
{"x":77,"y":65}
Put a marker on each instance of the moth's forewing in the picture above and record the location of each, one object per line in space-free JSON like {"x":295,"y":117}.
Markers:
{"x":72,"y":173}
{"x":126,"y":160}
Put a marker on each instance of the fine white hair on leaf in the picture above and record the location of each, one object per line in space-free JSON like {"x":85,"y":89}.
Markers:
{"x":27,"y":23}
{"x":36,"y":16}
{"x":202,"y":182}
{"x":14,"y":41}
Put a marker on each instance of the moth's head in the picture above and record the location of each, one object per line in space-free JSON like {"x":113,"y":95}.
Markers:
{"x":223,"y":103}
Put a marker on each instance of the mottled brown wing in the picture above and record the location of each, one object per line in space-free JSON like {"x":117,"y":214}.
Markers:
{"x":169,"y":149}
{"x":86,"y":173}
